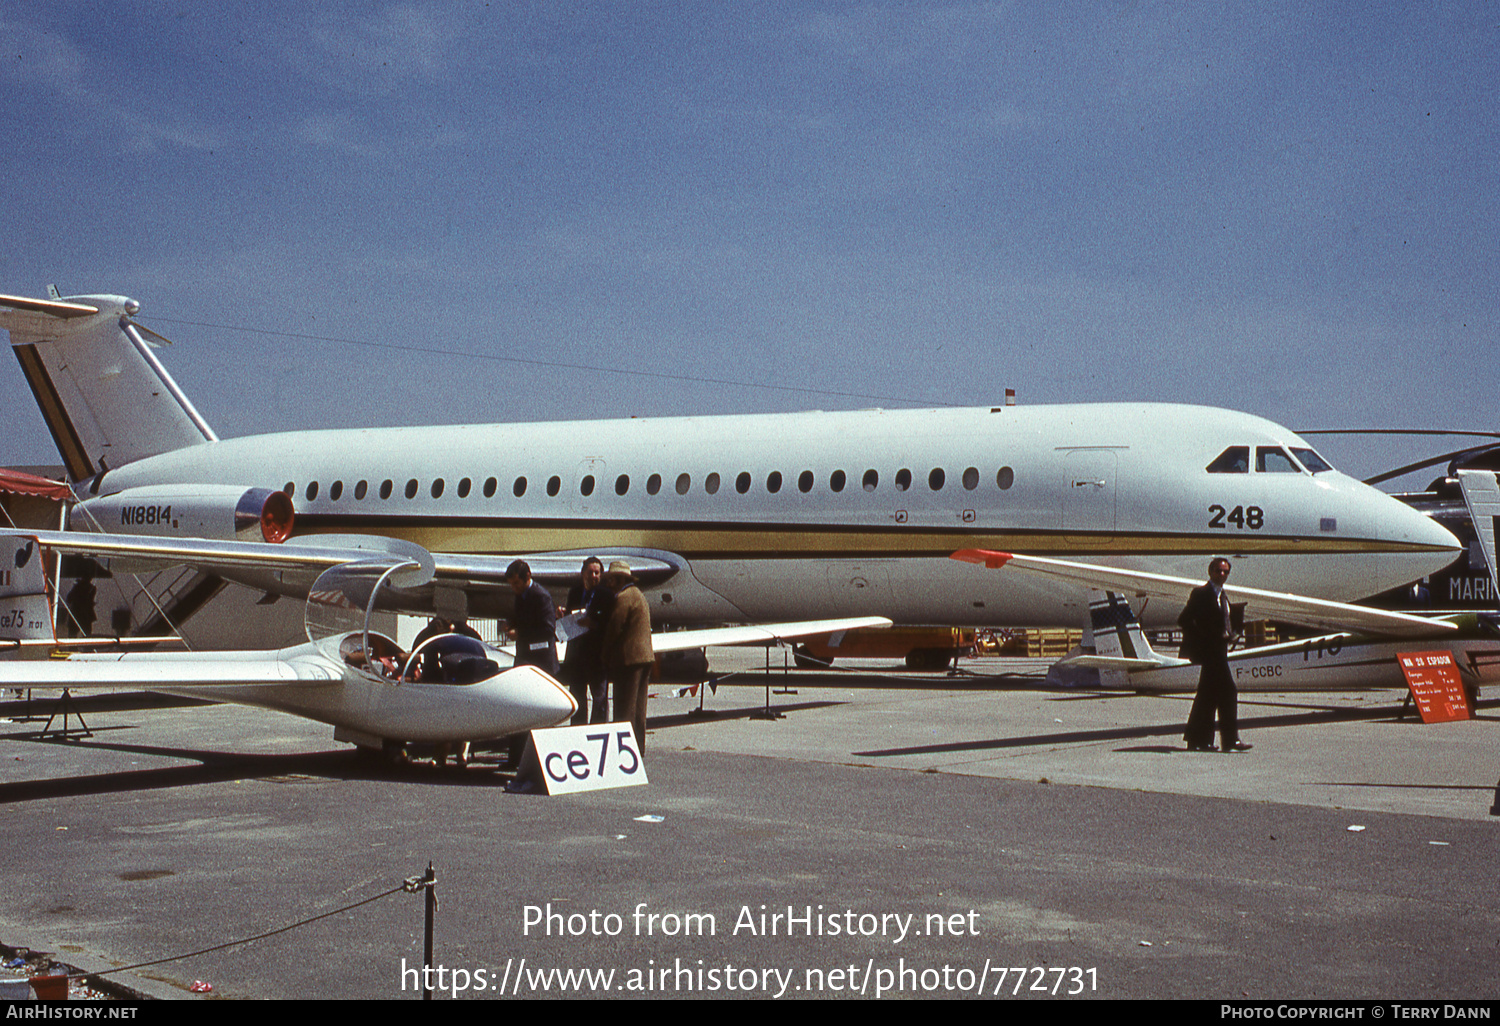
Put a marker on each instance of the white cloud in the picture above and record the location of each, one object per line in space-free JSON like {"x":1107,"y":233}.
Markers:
{"x":44,"y":59}
{"x":385,"y":52}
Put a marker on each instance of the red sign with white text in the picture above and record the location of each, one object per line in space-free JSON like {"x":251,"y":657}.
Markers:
{"x":1435,"y":686}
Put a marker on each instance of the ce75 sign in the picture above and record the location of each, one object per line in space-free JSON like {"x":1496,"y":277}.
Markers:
{"x":586,"y":758}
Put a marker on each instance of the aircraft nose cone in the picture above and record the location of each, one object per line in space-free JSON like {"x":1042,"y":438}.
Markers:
{"x":1417,"y":529}
{"x":1413,"y":545}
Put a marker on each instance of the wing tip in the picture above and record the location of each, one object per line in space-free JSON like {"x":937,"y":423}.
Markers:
{"x":988,"y":558}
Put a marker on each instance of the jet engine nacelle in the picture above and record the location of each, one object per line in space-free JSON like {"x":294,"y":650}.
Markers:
{"x":214,"y":512}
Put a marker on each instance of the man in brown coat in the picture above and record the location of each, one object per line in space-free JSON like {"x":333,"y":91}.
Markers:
{"x":627,"y":649}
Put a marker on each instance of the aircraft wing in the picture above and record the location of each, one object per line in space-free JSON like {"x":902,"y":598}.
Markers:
{"x":315,"y":554}
{"x":1271,"y":605}
{"x":310,"y":555}
{"x":758,"y":634}
{"x":747,"y":634}
{"x":159,"y":671}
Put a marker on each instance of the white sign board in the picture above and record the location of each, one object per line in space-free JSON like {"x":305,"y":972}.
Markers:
{"x":584,"y":758}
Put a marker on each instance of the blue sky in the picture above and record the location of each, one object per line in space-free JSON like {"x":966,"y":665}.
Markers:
{"x":360,"y":214}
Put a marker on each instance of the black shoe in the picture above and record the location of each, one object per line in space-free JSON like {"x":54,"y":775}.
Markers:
{"x":1238,"y":746}
{"x":1202,"y":748}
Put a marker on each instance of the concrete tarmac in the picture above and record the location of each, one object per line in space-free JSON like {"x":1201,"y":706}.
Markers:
{"x":894,"y":835}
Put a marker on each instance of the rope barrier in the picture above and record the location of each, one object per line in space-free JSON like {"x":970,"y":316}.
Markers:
{"x":408,"y":886}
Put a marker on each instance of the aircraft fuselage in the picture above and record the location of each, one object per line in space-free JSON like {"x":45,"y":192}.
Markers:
{"x":810,"y":514}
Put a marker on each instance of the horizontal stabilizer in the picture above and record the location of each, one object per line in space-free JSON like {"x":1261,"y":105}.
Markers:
{"x":48,"y":308}
{"x":1099,"y":662}
{"x":105,"y":397}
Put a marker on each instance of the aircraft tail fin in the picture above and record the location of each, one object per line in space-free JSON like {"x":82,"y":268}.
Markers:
{"x":27,"y":610}
{"x":1482,"y":495}
{"x":105,"y":397}
{"x":1117,"y":630}
{"x":1120,"y":645}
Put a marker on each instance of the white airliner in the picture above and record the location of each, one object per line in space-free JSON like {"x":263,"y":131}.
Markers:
{"x":731,"y":518}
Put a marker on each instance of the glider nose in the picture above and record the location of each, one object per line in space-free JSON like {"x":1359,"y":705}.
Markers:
{"x":539,"y":699}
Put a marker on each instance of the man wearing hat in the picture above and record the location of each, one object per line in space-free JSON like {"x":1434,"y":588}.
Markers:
{"x":534,"y":623}
{"x":583,"y":667}
{"x":627,"y":649}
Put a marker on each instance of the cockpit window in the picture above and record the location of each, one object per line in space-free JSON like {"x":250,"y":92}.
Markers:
{"x":1270,"y":459}
{"x":450,"y":659}
{"x":1311,"y":460}
{"x":1233,"y":460}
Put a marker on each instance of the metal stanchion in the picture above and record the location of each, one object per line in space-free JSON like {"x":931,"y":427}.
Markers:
{"x":427,"y":883}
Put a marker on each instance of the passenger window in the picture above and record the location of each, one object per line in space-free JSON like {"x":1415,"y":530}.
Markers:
{"x":742,"y":483}
{"x":385,"y":488}
{"x":1004,"y":478}
{"x":936,"y":478}
{"x":653,"y":484}
{"x":1271,"y":460}
{"x":360,"y":490}
{"x":622,"y":484}
{"x":463,"y":488}
{"x":437,"y":488}
{"x":971,"y":478}
{"x":586,"y":486}
{"x":335,"y":490}
{"x":518,"y":489}
{"x":291,"y":489}
{"x":903,"y":479}
{"x":312,"y":490}
{"x":684,"y":482}
{"x":1233,"y":460}
{"x":871,"y":481}
{"x":711,"y":484}
{"x":554,"y":485}
{"x":805,"y":481}
{"x":836,"y":481}
{"x":1311,"y":460}
{"x":490,"y":484}
{"x":773,"y":482}
{"x":411,"y":488}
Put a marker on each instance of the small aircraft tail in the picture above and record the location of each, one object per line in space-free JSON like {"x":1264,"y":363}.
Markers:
{"x":105,"y":397}
{"x":25,"y":611}
{"x":1120,"y":645}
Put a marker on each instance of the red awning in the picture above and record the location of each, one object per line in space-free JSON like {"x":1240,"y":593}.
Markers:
{"x":22,"y":483}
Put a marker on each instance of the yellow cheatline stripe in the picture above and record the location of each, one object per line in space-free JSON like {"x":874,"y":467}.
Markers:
{"x":753,"y":542}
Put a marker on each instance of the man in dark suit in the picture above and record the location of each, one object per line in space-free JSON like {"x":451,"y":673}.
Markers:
{"x":1209,"y":624}
{"x":534,"y":623}
{"x":583,"y":666}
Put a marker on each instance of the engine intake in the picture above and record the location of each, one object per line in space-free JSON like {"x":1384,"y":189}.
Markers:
{"x":214,"y":512}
